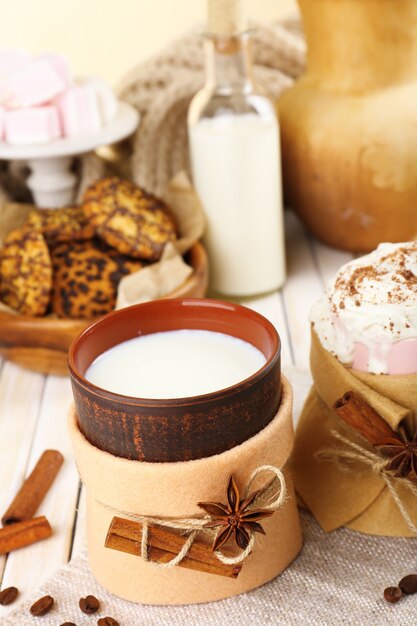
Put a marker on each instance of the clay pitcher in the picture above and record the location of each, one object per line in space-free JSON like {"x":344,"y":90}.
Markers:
{"x":349,"y":125}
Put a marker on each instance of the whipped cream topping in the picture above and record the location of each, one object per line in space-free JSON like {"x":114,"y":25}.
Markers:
{"x":372,"y":301}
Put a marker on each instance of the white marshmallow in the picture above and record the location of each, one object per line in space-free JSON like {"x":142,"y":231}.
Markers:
{"x":60,"y":64}
{"x":79,"y":110}
{"x":36,"y":125}
{"x":108,"y":102}
{"x":12,"y":60}
{"x":35,"y":84}
{"x":1,"y":124}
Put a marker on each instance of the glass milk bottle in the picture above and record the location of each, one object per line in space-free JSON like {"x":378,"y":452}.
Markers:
{"x":236,"y":165}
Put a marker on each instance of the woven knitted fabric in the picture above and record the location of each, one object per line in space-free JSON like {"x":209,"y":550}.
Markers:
{"x":161,"y":89}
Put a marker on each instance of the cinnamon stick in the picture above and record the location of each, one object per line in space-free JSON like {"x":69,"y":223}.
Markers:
{"x":358,"y":414}
{"x":23,"y":534}
{"x":163,"y":545}
{"x":34,"y":489}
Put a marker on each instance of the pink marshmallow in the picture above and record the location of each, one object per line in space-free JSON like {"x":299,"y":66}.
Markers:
{"x":60,"y":64}
{"x":1,"y":124}
{"x":79,"y":110}
{"x":36,"y":84}
{"x":32,"y":126}
{"x":107,"y":101}
{"x":12,"y":60}
{"x":401,"y":357}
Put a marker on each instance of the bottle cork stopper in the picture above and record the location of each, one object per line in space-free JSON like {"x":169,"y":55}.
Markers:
{"x":226,"y":17}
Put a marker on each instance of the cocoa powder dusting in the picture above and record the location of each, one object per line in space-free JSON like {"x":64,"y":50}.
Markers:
{"x":404,"y":279}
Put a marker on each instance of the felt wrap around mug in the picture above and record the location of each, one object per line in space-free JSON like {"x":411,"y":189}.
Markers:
{"x":180,"y":429}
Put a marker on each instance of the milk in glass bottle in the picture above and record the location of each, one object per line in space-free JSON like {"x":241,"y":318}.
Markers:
{"x":235,"y":157}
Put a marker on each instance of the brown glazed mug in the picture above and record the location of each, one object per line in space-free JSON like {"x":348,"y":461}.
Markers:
{"x":180,"y":429}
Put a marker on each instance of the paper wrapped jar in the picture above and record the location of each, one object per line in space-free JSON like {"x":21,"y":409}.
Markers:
{"x":347,"y":491}
{"x":355,"y":456}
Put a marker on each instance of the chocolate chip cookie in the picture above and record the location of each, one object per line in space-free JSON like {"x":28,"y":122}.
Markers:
{"x":129,"y":219}
{"x":65,"y":224}
{"x":25,"y":272}
{"x":86,"y":277}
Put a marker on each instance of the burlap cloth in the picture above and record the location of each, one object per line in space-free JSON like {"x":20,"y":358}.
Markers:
{"x":161,"y":90}
{"x":337,"y":579}
{"x":353,"y":495}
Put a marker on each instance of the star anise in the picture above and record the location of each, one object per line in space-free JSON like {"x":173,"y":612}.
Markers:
{"x":402,"y":450}
{"x":234,"y":517}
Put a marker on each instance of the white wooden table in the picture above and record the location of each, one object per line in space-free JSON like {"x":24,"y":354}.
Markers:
{"x":33,"y":411}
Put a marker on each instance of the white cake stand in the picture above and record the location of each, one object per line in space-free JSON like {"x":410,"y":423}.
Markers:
{"x":51,"y":181}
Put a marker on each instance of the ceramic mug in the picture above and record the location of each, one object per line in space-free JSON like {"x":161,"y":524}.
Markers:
{"x":180,"y":429}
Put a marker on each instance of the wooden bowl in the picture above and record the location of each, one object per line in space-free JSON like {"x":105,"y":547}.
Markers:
{"x":41,"y":343}
{"x":180,"y":429}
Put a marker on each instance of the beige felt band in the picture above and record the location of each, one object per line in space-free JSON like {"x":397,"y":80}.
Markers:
{"x":172,"y":490}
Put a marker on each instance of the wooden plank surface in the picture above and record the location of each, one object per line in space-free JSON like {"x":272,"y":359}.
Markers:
{"x":33,"y":412}
{"x":303,"y":288}
{"x":272,"y":307}
{"x":29,"y":567}
{"x":20,"y":398}
{"x":329,"y":260}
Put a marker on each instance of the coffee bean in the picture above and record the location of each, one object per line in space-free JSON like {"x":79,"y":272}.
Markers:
{"x":8,"y":595}
{"x":68,"y":624}
{"x":408,"y":584}
{"x":107,"y":621}
{"x":42,"y":606}
{"x":89,"y":605}
{"x":392,"y":594}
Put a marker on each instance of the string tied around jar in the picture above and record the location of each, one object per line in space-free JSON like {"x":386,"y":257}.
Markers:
{"x":378,"y":464}
{"x":272,"y":497}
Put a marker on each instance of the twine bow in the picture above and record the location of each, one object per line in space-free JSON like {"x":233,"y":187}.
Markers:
{"x":378,"y":464}
{"x":195,"y":525}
